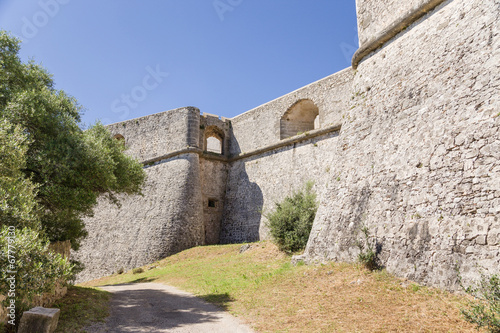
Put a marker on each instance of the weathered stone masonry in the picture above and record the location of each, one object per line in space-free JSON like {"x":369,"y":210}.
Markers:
{"x":407,"y":145}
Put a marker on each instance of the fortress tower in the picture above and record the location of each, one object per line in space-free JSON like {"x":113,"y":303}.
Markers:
{"x":405,"y":143}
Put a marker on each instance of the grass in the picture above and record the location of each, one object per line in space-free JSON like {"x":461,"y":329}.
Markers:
{"x":262,"y":288}
{"x":81,"y":307}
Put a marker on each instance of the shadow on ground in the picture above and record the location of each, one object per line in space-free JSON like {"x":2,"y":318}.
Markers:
{"x":220,"y":300}
{"x":152,"y":307}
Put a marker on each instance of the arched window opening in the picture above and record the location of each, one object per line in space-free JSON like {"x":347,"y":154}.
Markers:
{"x":214,"y":145}
{"x":214,"y":140}
{"x":301,"y":117}
{"x":119,"y":137}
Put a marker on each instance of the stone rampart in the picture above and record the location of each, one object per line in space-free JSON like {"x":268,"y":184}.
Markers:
{"x":168,"y":218}
{"x":376,"y":16}
{"x":256,"y":183}
{"x":158,"y":134}
{"x":263,"y":176}
{"x":420,"y":152}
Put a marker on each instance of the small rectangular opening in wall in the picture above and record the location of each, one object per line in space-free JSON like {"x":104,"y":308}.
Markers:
{"x":212,"y":203}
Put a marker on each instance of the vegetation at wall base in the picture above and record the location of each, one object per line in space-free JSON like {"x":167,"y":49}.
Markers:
{"x":264,"y":290}
{"x":37,"y":270}
{"x":367,"y":253}
{"x":291,"y":222}
{"x":81,"y":307}
{"x":138,"y":270}
{"x":484,"y":311}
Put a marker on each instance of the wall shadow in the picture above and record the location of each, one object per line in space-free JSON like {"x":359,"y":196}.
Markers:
{"x":243,"y":204}
{"x":244,"y":199}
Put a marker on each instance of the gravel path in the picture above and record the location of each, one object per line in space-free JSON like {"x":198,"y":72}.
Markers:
{"x":154,"y":307}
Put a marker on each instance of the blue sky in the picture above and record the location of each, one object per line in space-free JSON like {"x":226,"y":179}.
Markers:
{"x":123,"y":59}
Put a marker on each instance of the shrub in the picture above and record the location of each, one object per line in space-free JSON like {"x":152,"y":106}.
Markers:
{"x":137,"y":270}
{"x":29,"y":269}
{"x":367,"y":255}
{"x":290,"y":224}
{"x":485,"y":310}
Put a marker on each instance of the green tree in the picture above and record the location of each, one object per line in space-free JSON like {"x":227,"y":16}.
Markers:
{"x":70,"y":167}
{"x":28,"y":268}
{"x":18,"y":206}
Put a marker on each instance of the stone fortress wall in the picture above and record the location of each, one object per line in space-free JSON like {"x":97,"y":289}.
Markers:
{"x":166,"y":218}
{"x":420,"y":151}
{"x":377,"y":16}
{"x":407,"y":144}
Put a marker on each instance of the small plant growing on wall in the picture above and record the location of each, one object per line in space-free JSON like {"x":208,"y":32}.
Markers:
{"x":291,"y":222}
{"x":484,"y":311}
{"x":367,"y":253}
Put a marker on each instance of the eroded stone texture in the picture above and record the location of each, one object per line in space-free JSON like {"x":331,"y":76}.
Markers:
{"x":257,"y":183}
{"x":158,"y":134}
{"x":166,"y":220}
{"x":420,"y":151}
{"x":375,"y":16}
{"x":213,"y":182}
{"x":39,"y":320}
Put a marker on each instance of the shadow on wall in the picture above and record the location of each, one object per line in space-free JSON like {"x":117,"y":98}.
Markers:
{"x":243,"y":208}
{"x":244,"y":199}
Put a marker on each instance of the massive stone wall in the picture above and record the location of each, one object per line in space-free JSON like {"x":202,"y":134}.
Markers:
{"x":213,"y":190}
{"x":168,"y":218}
{"x":375,"y":16}
{"x":420,"y":151}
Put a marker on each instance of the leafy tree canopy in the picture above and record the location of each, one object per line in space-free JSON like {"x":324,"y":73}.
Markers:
{"x":65,"y":168}
{"x":18,"y":206}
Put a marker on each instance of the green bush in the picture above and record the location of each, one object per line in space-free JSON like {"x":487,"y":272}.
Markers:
{"x":137,"y":270}
{"x":290,"y":224}
{"x":29,"y":269}
{"x":485,"y":310}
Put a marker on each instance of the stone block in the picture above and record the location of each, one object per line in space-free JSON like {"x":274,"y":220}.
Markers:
{"x":39,"y":320}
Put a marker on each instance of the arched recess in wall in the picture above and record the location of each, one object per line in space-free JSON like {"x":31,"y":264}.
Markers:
{"x":214,"y":140}
{"x":301,"y":117}
{"x":119,"y":137}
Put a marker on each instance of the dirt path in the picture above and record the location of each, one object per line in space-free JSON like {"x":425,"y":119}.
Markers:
{"x":153,"y":307}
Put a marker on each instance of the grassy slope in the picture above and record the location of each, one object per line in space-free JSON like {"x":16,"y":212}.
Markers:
{"x":263,"y":289}
{"x":80,"y":307}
